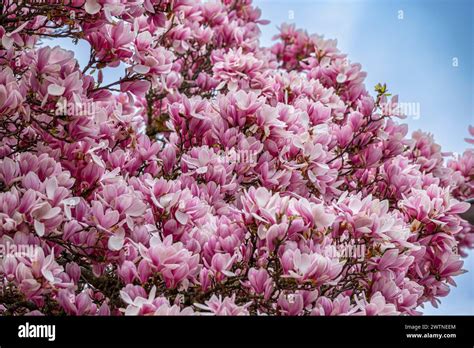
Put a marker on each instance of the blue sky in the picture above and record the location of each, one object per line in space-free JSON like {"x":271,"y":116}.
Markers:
{"x":413,"y":55}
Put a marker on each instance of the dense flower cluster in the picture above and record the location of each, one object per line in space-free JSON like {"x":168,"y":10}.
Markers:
{"x":216,"y":176}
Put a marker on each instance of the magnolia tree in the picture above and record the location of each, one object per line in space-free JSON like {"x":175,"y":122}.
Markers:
{"x":215,"y":176}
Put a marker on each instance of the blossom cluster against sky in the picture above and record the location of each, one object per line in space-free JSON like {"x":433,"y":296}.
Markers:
{"x":414,"y":47}
{"x":422,"y":49}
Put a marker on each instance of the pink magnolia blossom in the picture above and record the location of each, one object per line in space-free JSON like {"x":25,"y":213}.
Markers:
{"x":213,"y":175}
